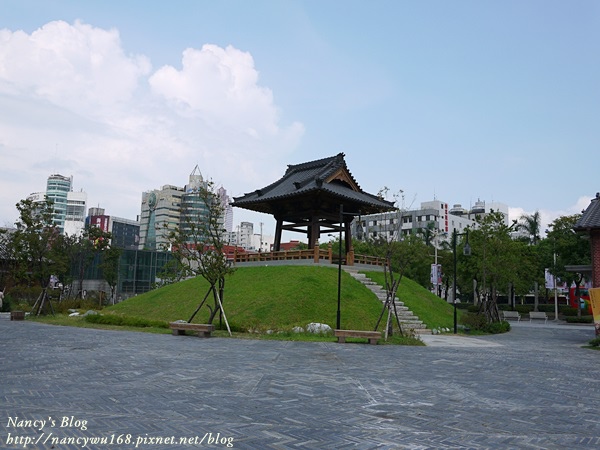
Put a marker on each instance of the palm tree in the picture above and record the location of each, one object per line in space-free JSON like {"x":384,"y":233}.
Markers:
{"x":531,"y":224}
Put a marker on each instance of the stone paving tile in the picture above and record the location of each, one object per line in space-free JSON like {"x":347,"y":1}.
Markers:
{"x":532,"y":388}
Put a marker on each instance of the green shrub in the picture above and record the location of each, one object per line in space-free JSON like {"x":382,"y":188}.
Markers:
{"x":473,"y":308}
{"x":582,"y":319}
{"x":474,"y":321}
{"x":524,"y":309}
{"x":127,"y":321}
{"x":498,"y":327}
{"x":479,"y":322}
{"x":464,"y":305}
{"x":568,"y":311}
{"x":595,"y":342}
{"x":23,"y":306}
{"x":546,"y":308}
{"x":21,"y":294}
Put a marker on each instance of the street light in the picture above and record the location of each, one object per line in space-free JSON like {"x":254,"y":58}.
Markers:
{"x":466,"y":252}
{"x":339,"y":295}
{"x":554,"y":278}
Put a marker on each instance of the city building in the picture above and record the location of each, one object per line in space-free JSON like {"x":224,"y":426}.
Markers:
{"x":244,"y":237}
{"x":125,"y":232}
{"x":69,"y":206}
{"x":435,"y":215}
{"x":175,"y":207}
{"x":159,"y":206}
{"x":227,"y":208}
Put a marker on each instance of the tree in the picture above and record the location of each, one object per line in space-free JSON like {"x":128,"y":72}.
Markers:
{"x":569,"y":248}
{"x":494,"y":261}
{"x":110,"y":269}
{"x":531,"y":225}
{"x":400,"y":254}
{"x":197,"y":244}
{"x":8,"y":261}
{"x":86,"y":247}
{"x":37,"y":242}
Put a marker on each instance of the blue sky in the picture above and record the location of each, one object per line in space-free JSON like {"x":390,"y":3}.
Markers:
{"x":460,"y":101}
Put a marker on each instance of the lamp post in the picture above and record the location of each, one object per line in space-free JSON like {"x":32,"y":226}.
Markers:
{"x":554,"y":277}
{"x":555,"y":288}
{"x":339,"y":293}
{"x":466,"y":252}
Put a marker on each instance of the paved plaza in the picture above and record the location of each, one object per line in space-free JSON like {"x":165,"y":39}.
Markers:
{"x":73,"y":388}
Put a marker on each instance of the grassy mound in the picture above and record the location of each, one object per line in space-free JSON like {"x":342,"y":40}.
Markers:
{"x":267,"y":297}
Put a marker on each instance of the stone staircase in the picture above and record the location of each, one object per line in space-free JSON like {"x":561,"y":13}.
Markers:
{"x":407,"y":319}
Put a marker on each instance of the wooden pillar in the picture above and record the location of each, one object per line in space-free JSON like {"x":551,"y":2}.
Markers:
{"x":348,"y":237}
{"x":278,"y":230}
{"x":314,"y":232}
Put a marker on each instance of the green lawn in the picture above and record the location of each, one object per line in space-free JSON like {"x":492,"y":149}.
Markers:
{"x":276,"y":298}
{"x":267,"y":297}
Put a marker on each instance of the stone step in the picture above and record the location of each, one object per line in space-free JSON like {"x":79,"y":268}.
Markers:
{"x":422,"y":331}
{"x":401,"y":308}
{"x":406,"y":321}
{"x":406,"y":317}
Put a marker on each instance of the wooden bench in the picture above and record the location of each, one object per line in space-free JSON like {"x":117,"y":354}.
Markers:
{"x":17,"y":315}
{"x":511,"y":315}
{"x":538,"y":315}
{"x":203,"y":330}
{"x":372,"y":336}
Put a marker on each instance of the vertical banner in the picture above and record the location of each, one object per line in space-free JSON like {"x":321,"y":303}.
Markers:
{"x":436,"y":274}
{"x":433,"y":278}
{"x":549,"y":279}
{"x":595,"y":302}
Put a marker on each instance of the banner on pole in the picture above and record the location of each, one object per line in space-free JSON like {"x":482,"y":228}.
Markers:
{"x":436,"y":274}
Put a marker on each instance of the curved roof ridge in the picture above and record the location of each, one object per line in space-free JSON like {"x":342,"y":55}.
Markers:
{"x":314,"y":164}
{"x":590,"y":219}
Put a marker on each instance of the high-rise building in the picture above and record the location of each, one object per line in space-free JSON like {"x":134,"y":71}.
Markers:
{"x":160,"y":209}
{"x":227,"y":208}
{"x":172,"y":206}
{"x":69,"y":206}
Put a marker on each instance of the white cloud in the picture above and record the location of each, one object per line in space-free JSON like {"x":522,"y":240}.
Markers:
{"x":75,"y":66}
{"x":549,"y":216}
{"x":73,"y":102}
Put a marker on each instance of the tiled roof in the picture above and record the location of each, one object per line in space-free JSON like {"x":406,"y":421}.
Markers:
{"x":591,"y":216}
{"x":309,"y":178}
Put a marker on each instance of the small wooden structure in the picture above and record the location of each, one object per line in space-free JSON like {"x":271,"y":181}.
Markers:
{"x":590,"y":223}
{"x":203,"y":330}
{"x":314,"y":198}
{"x":372,"y":336}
